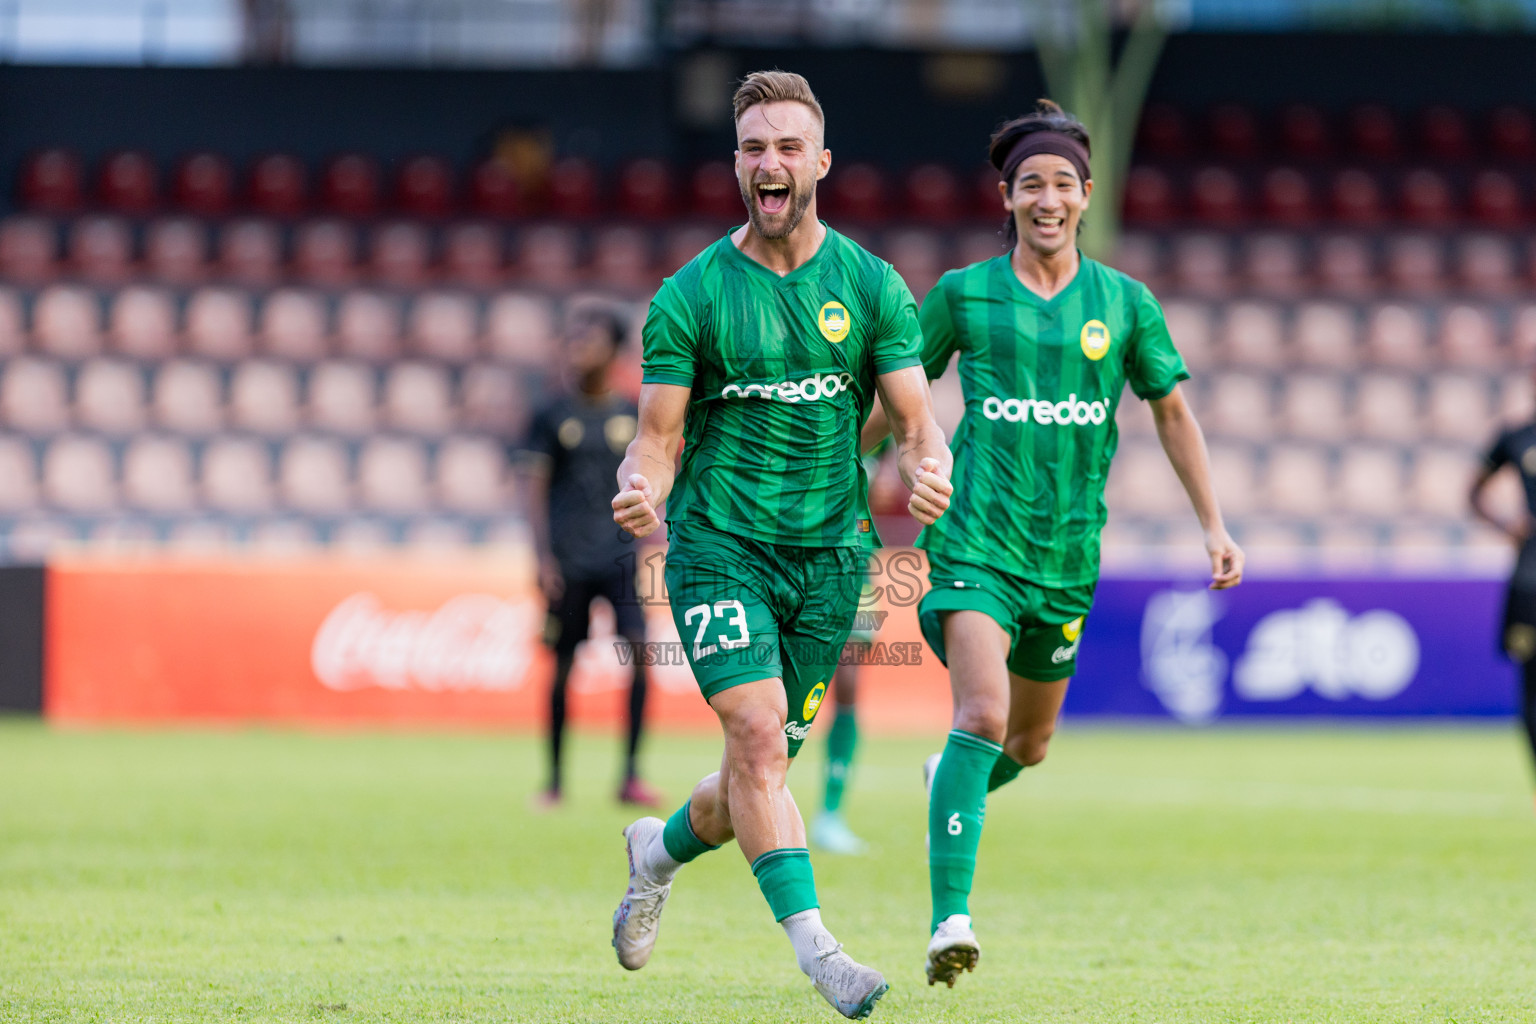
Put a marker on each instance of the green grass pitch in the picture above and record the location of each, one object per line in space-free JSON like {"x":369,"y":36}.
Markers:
{"x":1163,"y":875}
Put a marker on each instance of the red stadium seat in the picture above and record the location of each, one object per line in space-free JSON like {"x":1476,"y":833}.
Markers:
{"x":400,"y":254}
{"x":129,"y":182}
{"x":1511,"y":135}
{"x":473,"y":255}
{"x":1427,"y":199}
{"x":933,"y":194}
{"x":858,"y":192}
{"x":1218,"y":197}
{"x":573,"y":189}
{"x":325,"y":253}
{"x":1496,"y":200}
{"x":1304,"y":133}
{"x":717,"y":192}
{"x":1373,"y":133}
{"x":52,"y":181}
{"x":101,"y":249}
{"x":1287,"y":197}
{"x":176,"y":250}
{"x":28,"y":249}
{"x":204,"y":185}
{"x":1163,"y":132}
{"x":279,"y":186}
{"x":350,"y":186}
{"x":251,"y":252}
{"x":424,"y":187}
{"x":493,"y":192}
{"x":1357,"y":198}
{"x":1444,"y":134}
{"x":1234,"y":132}
{"x":646,"y":190}
{"x":1149,"y":197}
{"x":984,"y":194}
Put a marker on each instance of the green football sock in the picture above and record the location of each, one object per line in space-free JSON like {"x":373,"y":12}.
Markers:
{"x":1004,"y":770}
{"x":842,"y":739}
{"x":787,"y":881}
{"x":955,"y":812}
{"x":682,"y":845}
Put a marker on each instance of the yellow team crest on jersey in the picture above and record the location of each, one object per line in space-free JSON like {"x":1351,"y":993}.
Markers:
{"x":813,"y":701}
{"x":1072,"y":630}
{"x":1094,"y":339}
{"x":833,"y":321}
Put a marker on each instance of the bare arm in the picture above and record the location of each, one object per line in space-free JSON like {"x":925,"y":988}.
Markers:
{"x":1477,"y":499}
{"x":645,"y":476}
{"x":922,"y":456}
{"x":1185,"y":446}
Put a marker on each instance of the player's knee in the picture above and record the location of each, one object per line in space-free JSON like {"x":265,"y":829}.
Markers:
{"x":758,"y":747}
{"x":985,"y":718}
{"x":1029,"y":748}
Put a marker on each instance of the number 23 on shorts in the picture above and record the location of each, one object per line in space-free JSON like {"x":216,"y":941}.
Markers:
{"x":730,"y":620}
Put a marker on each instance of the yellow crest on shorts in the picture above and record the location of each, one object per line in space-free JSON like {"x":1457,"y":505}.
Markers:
{"x":833,"y":321}
{"x":813,"y":701}
{"x":1072,"y":630}
{"x":1094,"y":339}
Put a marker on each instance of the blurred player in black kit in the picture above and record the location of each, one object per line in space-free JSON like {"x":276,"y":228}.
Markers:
{"x":571,"y":456}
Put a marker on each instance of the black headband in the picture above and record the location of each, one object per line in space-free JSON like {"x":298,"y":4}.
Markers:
{"x":1055,"y":143}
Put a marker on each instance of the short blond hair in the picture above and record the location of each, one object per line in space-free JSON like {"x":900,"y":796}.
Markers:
{"x":776,"y":87}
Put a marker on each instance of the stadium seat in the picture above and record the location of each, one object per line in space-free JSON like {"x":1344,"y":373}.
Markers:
{"x":1253,"y":336}
{"x":1516,"y":402}
{"x":349,"y":186}
{"x":264,"y":397}
{"x":1426,"y":199}
{"x":1345,"y":266}
{"x":33,"y":396}
{"x":360,"y":536}
{"x":176,"y":251}
{"x":918,"y":256}
{"x":1312,"y":407}
{"x":621,"y":260}
{"x":141,"y":323}
{"x":424,"y":187}
{"x":573,"y":189}
{"x":187,"y":397}
{"x":157,"y":475}
{"x":251,"y":252}
{"x":1296,"y":481}
{"x":646,"y":190}
{"x":18,"y":475}
{"x":492,"y":400}
{"x":1439,"y":480}
{"x":1356,"y":198}
{"x":858,"y":192}
{"x":1459,"y":407}
{"x":443,"y":327}
{"x":78,"y":475}
{"x":392,"y":475}
{"x":1324,"y":336}
{"x":66,"y":322}
{"x":1370,"y":481}
{"x":1234,"y":471}
{"x":470,"y":475}
{"x":418,"y":399}
{"x":341,"y":397}
{"x":1240,"y":406}
{"x":493,"y":192}
{"x":1142,"y":483}
{"x":1305,"y":133}
{"x":716,"y":192}
{"x":1397,"y":336}
{"x":1511,"y":135}
{"x":1386,"y":408}
{"x":1496,"y":200}
{"x":1416,"y":265}
{"x":218,"y":324}
{"x":292,"y":326}
{"x":400,"y":255}
{"x":52,"y":181}
{"x":13,"y":333}
{"x":1202,"y":265}
{"x":1218,"y":198}
{"x":109,"y":397}
{"x":1189,"y":324}
{"x":986,"y":200}
{"x":437,"y":536}
{"x":236,"y":475}
{"x":683,"y":244}
{"x":1234,"y":132}
{"x":1133,"y":418}
{"x":101,"y":250}
{"x":204,"y":185}
{"x":1444,"y":133}
{"x":1469,"y":338}
{"x":312,"y":476}
{"x":1273,"y":264}
{"x":368,"y":326}
{"x":1163,"y":132}
{"x":1522,"y":335}
{"x":200,"y":537}
{"x":1287,"y":198}
{"x":325,"y":253}
{"x":1485,"y":265}
{"x":28,"y":250}
{"x":933,"y":194}
{"x":129,"y":182}
{"x":1137,"y":254}
{"x":1149,"y":199}
{"x":279,"y":186}
{"x":520,"y":329}
{"x":548,"y":256}
{"x":473,"y":255}
{"x":283,"y":538}
{"x":1373,"y":133}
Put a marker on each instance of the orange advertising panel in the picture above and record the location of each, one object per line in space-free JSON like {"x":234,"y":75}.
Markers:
{"x":405,"y":642}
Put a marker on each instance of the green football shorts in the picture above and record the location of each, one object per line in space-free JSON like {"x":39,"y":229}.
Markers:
{"x":746,"y":610}
{"x":1044,"y":625}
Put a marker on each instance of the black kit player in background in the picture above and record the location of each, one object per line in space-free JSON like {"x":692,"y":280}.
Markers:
{"x":570,"y":459}
{"x":1517,"y":448}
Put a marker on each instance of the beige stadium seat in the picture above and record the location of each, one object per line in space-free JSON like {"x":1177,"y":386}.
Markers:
{"x":109,"y":396}
{"x":1312,"y":407}
{"x":1459,"y":407}
{"x":188,"y":397}
{"x":1273,"y":265}
{"x":218,"y":324}
{"x":33,"y":396}
{"x":1202,"y":265}
{"x":36,"y":538}
{"x":1517,"y":398}
{"x":141,"y":322}
{"x":237,"y":475}
{"x":474,"y":255}
{"x":1239,"y":405}
{"x":1485,"y":265}
{"x":392,"y":475}
{"x":1469,"y":338}
{"x":28,"y":249}
{"x":492,"y":397}
{"x":341,"y":397}
{"x":356,"y":536}
{"x":293,"y":325}
{"x":1440,"y":479}
{"x":368,"y":327}
{"x":1370,"y":482}
{"x":157,"y":474}
{"x":1296,"y":481}
{"x":1136,"y":254}
{"x":520,"y":328}
{"x":470,"y":474}
{"x":443,"y":327}
{"x":949,"y":403}
{"x":200,"y":537}
{"x":1235,"y":474}
{"x":264,"y":397}
{"x":1189,"y":324}
{"x":549,"y":256}
{"x":313,"y":476}
{"x":18,"y":475}
{"x":622,"y":260}
{"x":1253,"y":336}
{"x":1416,"y":265}
{"x":283,"y":538}
{"x":1397,"y":336}
{"x":251,"y":252}
{"x":101,"y":249}
{"x":78,"y":474}
{"x":1346,"y":266}
{"x":1142,"y":484}
{"x":176,"y":251}
{"x":1324,"y":336}
{"x":1133,"y":417}
{"x":1387,"y":408}
{"x":13,"y":332}
{"x":1522,"y":334}
{"x":400,"y":254}
{"x":418,"y":399}
{"x":325,"y":253}
{"x":67,"y":322}
{"x":438,"y":535}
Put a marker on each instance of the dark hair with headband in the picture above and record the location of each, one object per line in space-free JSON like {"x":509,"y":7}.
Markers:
{"x":1048,"y":130}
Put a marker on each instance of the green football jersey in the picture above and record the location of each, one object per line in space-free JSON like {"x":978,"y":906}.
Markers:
{"x":782,"y":372}
{"x":1042,"y":379}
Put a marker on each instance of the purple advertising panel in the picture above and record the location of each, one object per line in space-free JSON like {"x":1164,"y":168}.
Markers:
{"x":1335,"y":647}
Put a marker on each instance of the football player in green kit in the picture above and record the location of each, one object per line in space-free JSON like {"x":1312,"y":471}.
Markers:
{"x":1047,"y":339}
{"x":764,"y":355}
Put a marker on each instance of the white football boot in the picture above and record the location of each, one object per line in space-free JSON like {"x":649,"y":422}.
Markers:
{"x":848,"y":985}
{"x":952,"y":949}
{"x":638,"y":918}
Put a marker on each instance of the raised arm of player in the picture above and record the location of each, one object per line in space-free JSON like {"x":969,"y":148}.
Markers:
{"x":1517,"y":530}
{"x":1185,"y":446}
{"x":923,"y":457}
{"x":645,"y":475}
